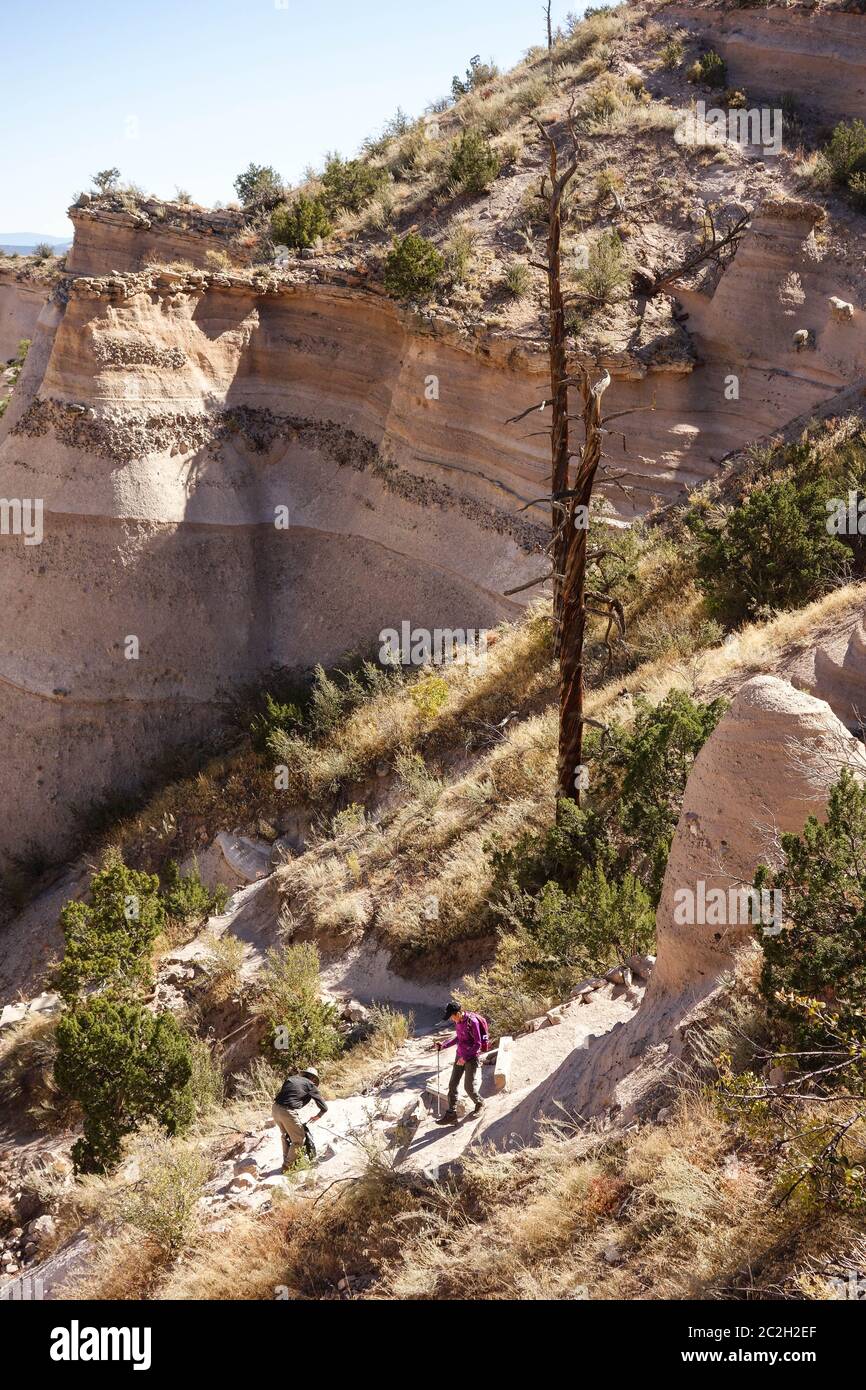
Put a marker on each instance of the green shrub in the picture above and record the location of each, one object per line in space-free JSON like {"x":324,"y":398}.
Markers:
{"x":17,"y":363}
{"x":349,"y":821}
{"x":845,"y":151}
{"x":185,"y":897}
{"x":108,"y":939}
{"x":474,"y":164}
{"x":333,"y":698}
{"x":259,"y":188}
{"x":607,"y":272}
{"x":478,"y":74}
{"x":509,"y":991}
{"x":301,"y":223}
{"x":672,"y":54}
{"x":302,"y":1028}
{"x":588,"y":929}
{"x":315,"y":711}
{"x":638,"y":776}
{"x":43,"y":250}
{"x":518,"y":279}
{"x":286,"y":716}
{"x":349,"y":183}
{"x":123,"y":1065}
{"x":819,"y":954}
{"x":710,"y":69}
{"x":642,"y":774}
{"x":412,"y":267}
{"x":222,"y":965}
{"x":106,"y":180}
{"x":428,"y":695}
{"x":772,"y":552}
{"x":207,"y":1086}
{"x":857,"y":189}
{"x":577,"y":840}
{"x":163,"y":1203}
{"x":460,"y":252}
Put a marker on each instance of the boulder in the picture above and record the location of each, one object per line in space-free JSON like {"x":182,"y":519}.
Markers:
{"x":840,"y":309}
{"x":411,"y":1118}
{"x":41,"y":1231}
{"x":619,"y":975}
{"x":13,"y":1013}
{"x":765,"y":768}
{"x":642,"y":966}
{"x":502,"y":1066}
{"x":355,"y":1012}
{"x":249,"y":859}
{"x":45,"y":1004}
{"x":28,"y":1205}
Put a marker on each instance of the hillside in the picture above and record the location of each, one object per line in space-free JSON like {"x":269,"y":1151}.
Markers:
{"x":258,"y":458}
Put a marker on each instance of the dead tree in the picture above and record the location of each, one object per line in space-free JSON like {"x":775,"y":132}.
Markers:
{"x":549,"y":42}
{"x":557,"y":350}
{"x":576,"y":599}
{"x":713,"y":246}
{"x":570,"y":498}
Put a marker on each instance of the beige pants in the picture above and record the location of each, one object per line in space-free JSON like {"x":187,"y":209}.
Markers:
{"x":291,"y":1131}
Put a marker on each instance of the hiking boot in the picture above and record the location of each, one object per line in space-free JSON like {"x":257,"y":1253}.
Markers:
{"x":449,"y":1118}
{"x":479,"y":1106}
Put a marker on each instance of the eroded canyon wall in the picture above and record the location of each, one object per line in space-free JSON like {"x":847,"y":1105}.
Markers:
{"x":172,"y":420}
{"x":817,"y":58}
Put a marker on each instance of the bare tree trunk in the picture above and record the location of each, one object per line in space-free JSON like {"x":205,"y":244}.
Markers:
{"x":573,"y":601}
{"x":549,"y":42}
{"x":558,"y":386}
{"x":569,"y":544}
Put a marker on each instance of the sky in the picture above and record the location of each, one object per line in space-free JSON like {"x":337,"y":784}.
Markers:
{"x":185,"y":93}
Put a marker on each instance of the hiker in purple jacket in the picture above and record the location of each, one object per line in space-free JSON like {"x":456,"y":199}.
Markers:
{"x":469,"y":1043}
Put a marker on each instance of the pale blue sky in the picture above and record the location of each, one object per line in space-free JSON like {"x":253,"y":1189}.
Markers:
{"x":186,"y":92}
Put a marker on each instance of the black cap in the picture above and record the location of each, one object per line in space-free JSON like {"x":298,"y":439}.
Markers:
{"x":452,"y":1009}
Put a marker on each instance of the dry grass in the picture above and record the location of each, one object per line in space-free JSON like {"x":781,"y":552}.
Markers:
{"x":484,"y":758}
{"x":358,"y":1068}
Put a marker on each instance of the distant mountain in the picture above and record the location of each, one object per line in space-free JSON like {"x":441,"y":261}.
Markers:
{"x":24,"y":242}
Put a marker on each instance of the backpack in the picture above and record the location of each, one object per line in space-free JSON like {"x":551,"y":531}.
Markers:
{"x":485,"y":1031}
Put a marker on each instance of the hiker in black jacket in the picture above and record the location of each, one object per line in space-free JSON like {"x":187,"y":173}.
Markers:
{"x":296,"y":1092}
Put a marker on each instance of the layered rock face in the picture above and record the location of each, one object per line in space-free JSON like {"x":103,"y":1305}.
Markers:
{"x":818,"y":58}
{"x":21,"y":302}
{"x":771,"y":322}
{"x":121,"y":238}
{"x":247,"y":469}
{"x":230,"y":481}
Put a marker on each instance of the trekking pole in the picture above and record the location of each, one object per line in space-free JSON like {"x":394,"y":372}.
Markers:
{"x":438,"y":1061}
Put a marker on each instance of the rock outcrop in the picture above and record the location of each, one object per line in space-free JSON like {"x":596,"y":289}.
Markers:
{"x":22,"y":298}
{"x":111,"y":235}
{"x":815,"y":57}
{"x":766,"y":767}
